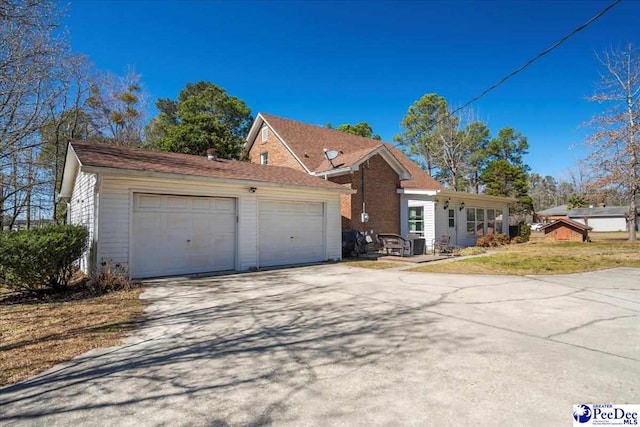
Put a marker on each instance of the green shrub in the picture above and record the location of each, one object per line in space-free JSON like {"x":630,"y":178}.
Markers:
{"x":42,"y":257}
{"x":525,"y":232}
{"x":110,"y":277}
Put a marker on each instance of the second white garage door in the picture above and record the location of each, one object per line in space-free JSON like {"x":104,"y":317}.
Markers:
{"x":182,"y":235}
{"x":290,"y":233}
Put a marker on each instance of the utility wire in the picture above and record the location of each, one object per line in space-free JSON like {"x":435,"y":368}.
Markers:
{"x":538,"y":56}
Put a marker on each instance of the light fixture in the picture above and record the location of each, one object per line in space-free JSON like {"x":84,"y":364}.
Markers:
{"x":461,"y":206}
{"x":446,"y":205}
{"x":252,"y":189}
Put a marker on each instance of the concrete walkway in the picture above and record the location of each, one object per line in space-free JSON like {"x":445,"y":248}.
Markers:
{"x":337,"y":345}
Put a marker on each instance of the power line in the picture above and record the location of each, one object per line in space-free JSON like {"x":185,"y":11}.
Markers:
{"x":538,"y":56}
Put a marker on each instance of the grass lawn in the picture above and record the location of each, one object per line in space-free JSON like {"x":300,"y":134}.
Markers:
{"x":35,"y":335}
{"x":373,"y":264}
{"x":607,"y":250}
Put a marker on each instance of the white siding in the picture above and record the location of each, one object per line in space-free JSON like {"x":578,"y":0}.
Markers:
{"x":116,"y":194}
{"x":604,"y":223}
{"x":465,"y":239}
{"x":437,"y":217}
{"x":428,"y":204}
{"x":82,"y":207}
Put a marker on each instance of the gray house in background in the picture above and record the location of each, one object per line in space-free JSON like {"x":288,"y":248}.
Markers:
{"x":599,"y":218}
{"x":607,"y":218}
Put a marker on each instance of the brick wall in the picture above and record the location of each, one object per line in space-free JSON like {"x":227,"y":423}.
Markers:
{"x":380,"y":181}
{"x":278,"y":153}
{"x":382,"y":200}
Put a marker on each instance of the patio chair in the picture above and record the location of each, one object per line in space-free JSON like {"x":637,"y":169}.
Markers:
{"x":442,"y":245}
{"x":390,"y":242}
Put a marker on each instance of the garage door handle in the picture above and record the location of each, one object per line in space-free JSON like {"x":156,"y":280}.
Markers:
{"x":292,"y":237}
{"x":188,"y":241}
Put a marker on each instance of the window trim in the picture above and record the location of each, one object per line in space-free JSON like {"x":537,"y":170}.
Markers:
{"x":475,"y":231}
{"x":264,"y":132}
{"x":419,"y":219}
{"x":264,"y":158}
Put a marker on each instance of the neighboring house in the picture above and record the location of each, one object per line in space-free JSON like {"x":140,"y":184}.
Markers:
{"x":602,"y":218}
{"x":393,"y":195}
{"x":551,"y":214}
{"x":566,"y":230}
{"x":161,"y":213}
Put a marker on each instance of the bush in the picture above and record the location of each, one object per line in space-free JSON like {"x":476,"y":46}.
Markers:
{"x":492,"y":240}
{"x":525,"y":232}
{"x":110,"y":277}
{"x":501,"y":239}
{"x":483,"y":242}
{"x":518,"y":239}
{"x":41,"y":258}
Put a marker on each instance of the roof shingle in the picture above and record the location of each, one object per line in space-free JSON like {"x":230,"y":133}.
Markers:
{"x":309,"y":141}
{"x":136,"y":159}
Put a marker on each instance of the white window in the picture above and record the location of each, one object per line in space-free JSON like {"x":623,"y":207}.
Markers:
{"x":475,"y":221}
{"x":491,"y":221}
{"x":265,"y":134}
{"x":264,"y":158}
{"x":416,"y":220}
{"x":452,"y":218}
{"x":499,"y":228}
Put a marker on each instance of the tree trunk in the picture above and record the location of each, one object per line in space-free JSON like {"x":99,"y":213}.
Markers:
{"x":633,"y":218}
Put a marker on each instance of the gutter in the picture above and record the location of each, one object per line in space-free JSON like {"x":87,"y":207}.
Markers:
{"x":193,"y":178}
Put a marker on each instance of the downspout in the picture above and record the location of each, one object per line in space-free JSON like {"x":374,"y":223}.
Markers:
{"x":363,"y":201}
{"x":93,"y":255}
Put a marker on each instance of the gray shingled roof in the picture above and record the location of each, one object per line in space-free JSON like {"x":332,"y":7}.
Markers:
{"x":598,"y":211}
{"x":557,"y":210}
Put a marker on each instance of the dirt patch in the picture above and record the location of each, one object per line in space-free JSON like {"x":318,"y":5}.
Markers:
{"x":37,"y":333}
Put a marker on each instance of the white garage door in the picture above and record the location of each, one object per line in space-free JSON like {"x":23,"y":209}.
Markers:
{"x":182,"y":235}
{"x":290,"y":233}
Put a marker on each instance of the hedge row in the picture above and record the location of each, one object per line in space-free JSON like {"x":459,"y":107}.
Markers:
{"x":41,"y":258}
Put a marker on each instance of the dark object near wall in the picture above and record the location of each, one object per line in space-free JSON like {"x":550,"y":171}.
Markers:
{"x":354,"y":243}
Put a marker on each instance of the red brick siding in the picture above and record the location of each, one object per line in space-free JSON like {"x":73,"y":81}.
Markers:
{"x":278,"y":153}
{"x":382,"y":200}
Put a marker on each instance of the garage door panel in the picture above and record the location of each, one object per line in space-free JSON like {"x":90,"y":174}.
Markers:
{"x":290,"y":232}
{"x":182,"y":235}
{"x":149,"y":202}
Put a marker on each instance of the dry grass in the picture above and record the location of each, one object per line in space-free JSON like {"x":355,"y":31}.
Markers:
{"x":607,"y":250}
{"x":373,"y":264}
{"x":37,"y":335}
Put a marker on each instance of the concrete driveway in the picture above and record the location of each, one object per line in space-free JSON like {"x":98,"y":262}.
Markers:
{"x":333,"y":345}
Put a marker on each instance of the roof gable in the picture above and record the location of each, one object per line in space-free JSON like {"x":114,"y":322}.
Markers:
{"x":92,"y":155}
{"x":308,"y":142}
{"x":564,"y":221}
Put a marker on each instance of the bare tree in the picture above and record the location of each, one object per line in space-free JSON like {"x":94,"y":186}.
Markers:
{"x":615,"y":144}
{"x":68,"y":120}
{"x":30,"y":58}
{"x":117,"y":105}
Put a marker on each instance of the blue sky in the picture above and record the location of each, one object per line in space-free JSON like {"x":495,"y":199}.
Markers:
{"x":337,"y":62}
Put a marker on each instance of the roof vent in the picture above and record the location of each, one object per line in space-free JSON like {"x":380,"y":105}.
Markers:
{"x":211,"y":154}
